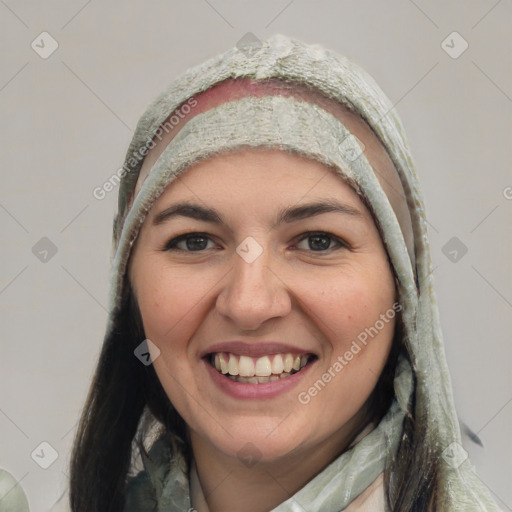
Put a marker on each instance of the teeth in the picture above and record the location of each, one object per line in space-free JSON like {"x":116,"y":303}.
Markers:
{"x":277,"y":364}
{"x":257,"y":371}
{"x":246,"y":366}
{"x":223,"y":365}
{"x":259,"y":380}
{"x":263,"y":367}
{"x":233,"y":365}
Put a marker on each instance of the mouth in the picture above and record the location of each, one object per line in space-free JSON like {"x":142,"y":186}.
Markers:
{"x":259,"y":370}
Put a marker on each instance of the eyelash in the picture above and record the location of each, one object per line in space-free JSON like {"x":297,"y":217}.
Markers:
{"x":171,"y":244}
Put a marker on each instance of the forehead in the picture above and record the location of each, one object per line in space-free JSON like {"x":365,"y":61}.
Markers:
{"x":267,"y":187}
{"x":261,"y":176}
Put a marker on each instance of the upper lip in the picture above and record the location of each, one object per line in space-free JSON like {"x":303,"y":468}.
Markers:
{"x":258,"y":349}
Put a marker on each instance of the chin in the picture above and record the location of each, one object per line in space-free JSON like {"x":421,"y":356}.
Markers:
{"x":264,"y":439}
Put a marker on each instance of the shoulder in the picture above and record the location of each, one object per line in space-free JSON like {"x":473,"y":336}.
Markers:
{"x":143,"y":491}
{"x":141,"y":494}
{"x":372,"y":499}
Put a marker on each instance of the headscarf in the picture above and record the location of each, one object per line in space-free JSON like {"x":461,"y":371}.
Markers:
{"x":303,"y":127}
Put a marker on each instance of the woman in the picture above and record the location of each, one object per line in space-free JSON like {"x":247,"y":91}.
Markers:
{"x":273,"y":337}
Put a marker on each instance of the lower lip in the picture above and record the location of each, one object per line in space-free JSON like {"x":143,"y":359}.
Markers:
{"x":255,"y":391}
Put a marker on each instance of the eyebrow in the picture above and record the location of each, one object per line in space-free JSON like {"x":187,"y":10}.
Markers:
{"x":285,"y":216}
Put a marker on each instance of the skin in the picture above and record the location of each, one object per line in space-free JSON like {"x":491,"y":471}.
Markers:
{"x":316,"y":299}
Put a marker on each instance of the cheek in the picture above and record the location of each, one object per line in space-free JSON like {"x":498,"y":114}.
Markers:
{"x":164,"y":298}
{"x":171,"y":305}
{"x":358,"y":319}
{"x":349,"y":305}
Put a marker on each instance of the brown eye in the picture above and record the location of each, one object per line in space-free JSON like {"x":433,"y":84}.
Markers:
{"x":191,"y":242}
{"x":320,"y":241}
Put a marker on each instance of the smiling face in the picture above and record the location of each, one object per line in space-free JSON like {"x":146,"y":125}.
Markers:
{"x":250,"y":279}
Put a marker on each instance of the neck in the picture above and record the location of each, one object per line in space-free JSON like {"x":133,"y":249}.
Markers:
{"x":228,"y":485}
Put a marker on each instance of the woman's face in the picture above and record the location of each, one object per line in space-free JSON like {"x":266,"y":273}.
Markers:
{"x":237,"y":273}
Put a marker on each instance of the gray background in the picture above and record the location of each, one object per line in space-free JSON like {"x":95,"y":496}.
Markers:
{"x":66,"y":122}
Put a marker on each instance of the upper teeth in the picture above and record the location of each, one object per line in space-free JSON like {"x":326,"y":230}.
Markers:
{"x":265,"y":366}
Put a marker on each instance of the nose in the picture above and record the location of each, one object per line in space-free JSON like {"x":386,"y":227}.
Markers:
{"x":253,"y":293}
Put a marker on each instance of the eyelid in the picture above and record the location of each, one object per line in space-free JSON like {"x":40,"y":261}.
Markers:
{"x":299,"y":238}
{"x":337,"y":239}
{"x":183,"y":237}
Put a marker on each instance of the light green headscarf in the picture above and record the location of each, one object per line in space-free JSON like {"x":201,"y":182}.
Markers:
{"x":307,"y":129}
